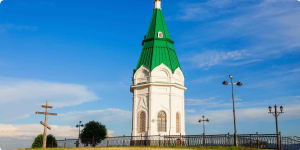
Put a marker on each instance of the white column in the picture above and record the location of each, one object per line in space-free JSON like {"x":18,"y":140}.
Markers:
{"x":149,"y":111}
{"x":134,"y":121}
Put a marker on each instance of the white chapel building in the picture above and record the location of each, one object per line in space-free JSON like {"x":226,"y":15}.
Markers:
{"x":158,"y":84}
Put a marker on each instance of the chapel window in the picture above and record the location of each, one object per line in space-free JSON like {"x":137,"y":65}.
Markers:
{"x":162,"y":121}
{"x":142,"y":122}
{"x":178,"y":123}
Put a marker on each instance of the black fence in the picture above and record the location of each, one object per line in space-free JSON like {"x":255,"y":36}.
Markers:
{"x":290,"y":143}
{"x":263,"y":141}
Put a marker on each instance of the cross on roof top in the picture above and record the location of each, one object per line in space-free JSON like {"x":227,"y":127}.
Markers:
{"x":157,"y":4}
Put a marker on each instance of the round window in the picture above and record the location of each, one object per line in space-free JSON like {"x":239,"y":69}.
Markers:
{"x":160,"y":35}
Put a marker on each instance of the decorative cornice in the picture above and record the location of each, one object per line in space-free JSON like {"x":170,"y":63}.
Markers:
{"x":160,"y":39}
{"x":157,"y":84}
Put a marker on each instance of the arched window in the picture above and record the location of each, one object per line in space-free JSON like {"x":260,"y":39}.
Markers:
{"x":162,"y":121}
{"x":142,"y":122}
{"x":178,"y":123}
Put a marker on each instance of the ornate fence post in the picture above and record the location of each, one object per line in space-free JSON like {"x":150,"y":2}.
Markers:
{"x":228,"y":139}
{"x":65,"y":142}
{"x":203,"y":140}
{"x":180,"y":140}
{"x":257,"y":141}
{"x":250,"y":140}
{"x":123,"y":140}
{"x":280,"y":141}
{"x":159,"y":140}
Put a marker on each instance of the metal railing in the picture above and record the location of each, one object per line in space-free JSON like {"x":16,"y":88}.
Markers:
{"x":263,"y":141}
{"x":290,"y":143}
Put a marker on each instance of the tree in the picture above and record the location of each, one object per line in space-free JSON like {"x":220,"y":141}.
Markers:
{"x":93,"y":133}
{"x":51,"y":141}
{"x":38,"y":141}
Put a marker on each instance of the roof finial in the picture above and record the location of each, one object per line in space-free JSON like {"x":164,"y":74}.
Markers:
{"x":157,"y":4}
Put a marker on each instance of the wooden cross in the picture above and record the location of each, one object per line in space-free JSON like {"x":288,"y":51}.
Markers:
{"x":45,"y":123}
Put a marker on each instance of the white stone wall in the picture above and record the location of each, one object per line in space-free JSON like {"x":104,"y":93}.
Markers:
{"x":160,"y":90}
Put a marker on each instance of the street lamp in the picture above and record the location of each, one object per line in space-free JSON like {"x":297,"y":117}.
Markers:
{"x":203,"y":120}
{"x":78,"y":126}
{"x":225,"y":83}
{"x":276,"y":113}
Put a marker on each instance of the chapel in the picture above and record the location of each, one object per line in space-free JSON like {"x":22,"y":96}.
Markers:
{"x":158,"y":83}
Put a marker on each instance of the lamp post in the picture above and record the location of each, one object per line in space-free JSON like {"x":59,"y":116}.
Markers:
{"x":225,"y":83}
{"x":276,"y":113}
{"x":203,"y":120}
{"x":78,"y":126}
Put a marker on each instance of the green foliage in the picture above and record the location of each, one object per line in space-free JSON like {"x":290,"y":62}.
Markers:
{"x":38,"y":141}
{"x":51,"y":141}
{"x":93,"y":133}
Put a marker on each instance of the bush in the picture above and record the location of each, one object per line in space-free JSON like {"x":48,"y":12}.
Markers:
{"x":38,"y":141}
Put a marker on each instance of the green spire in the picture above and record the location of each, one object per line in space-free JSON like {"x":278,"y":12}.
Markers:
{"x":157,"y":46}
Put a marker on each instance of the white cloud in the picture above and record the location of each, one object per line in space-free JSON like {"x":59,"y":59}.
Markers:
{"x":244,"y":115}
{"x":190,"y":110}
{"x":274,"y":77}
{"x":211,"y":58}
{"x":207,"y":103}
{"x":112,"y":118}
{"x":26,"y":96}
{"x":28,"y":131}
{"x":7,"y":143}
{"x":14,"y":136}
{"x":199,"y":102}
{"x":109,"y":115}
{"x":201,"y":10}
{"x":247,"y":111}
{"x":8,"y":27}
{"x":207,"y":79}
{"x":1,"y":1}
{"x":270,"y":26}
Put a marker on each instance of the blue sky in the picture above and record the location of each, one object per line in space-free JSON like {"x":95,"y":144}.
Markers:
{"x":80,"y":56}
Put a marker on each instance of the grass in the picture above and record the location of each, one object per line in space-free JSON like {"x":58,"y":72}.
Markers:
{"x":155,"y":148}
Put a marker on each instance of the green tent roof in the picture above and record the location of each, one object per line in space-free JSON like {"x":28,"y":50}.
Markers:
{"x":158,"y":50}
